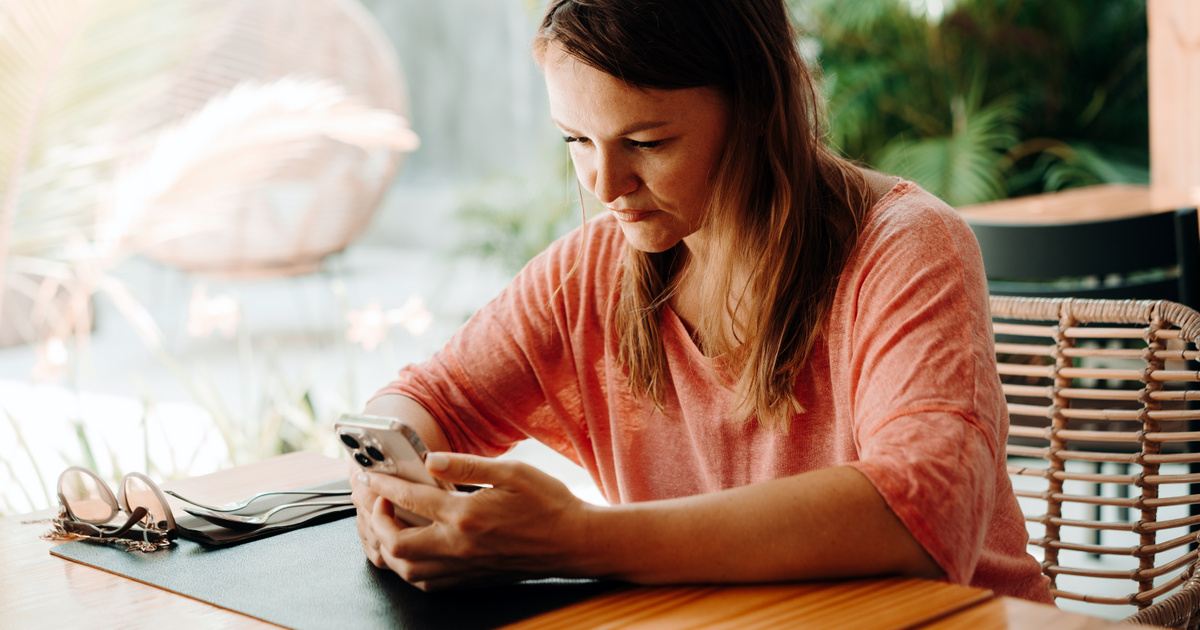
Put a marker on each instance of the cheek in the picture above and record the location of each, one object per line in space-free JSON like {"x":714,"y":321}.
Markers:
{"x":682,"y":181}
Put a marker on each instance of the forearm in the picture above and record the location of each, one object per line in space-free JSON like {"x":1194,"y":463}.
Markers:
{"x":821,"y":524}
{"x":411,"y":412}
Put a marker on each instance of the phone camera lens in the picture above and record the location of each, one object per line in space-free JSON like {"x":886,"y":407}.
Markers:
{"x":349,"y":441}
{"x":374,"y":453}
{"x":363,"y":460}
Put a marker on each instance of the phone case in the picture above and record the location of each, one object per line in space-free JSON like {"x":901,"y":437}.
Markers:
{"x":390,"y":446}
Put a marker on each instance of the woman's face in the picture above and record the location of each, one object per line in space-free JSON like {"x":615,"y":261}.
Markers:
{"x":646,"y":154}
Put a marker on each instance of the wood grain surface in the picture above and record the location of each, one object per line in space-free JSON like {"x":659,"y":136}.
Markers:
{"x":1007,"y":613}
{"x":876,"y":604}
{"x":1093,"y":203}
{"x":38,"y":590}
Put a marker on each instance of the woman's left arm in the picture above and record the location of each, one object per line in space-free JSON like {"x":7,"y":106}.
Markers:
{"x":827,"y":523}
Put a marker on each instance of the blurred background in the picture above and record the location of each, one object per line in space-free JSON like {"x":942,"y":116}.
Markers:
{"x":225,"y":222}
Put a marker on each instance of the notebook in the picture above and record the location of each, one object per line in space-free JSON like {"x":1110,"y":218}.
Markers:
{"x":318,"y":577}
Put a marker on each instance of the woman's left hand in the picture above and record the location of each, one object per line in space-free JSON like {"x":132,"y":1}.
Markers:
{"x":527,"y":524}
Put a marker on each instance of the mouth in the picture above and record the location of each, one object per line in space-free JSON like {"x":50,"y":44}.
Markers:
{"x":631,"y":216}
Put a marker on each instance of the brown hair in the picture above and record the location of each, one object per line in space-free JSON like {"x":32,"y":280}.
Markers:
{"x":785,"y":208}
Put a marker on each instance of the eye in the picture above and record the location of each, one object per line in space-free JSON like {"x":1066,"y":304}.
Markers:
{"x":650,"y":144}
{"x":570,"y":139}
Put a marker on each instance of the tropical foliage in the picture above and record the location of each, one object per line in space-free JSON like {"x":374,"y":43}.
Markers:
{"x":986,"y":99}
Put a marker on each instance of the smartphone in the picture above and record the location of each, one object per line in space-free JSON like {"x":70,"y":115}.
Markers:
{"x":390,"y":446}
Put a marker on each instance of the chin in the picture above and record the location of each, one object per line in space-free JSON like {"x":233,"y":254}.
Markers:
{"x":649,"y":245}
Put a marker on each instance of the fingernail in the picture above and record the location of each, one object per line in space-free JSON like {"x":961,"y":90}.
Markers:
{"x":437,"y":461}
{"x":364,"y":479}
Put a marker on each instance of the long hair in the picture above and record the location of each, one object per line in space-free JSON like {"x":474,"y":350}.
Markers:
{"x":784,"y":210}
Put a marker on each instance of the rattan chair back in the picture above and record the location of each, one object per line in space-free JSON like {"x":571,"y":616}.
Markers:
{"x":1119,"y":376}
{"x":289,"y":213}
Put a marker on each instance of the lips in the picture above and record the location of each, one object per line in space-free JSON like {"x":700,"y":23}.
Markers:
{"x":631,"y":216}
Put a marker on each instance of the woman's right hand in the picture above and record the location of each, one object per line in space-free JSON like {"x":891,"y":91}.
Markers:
{"x":390,"y":406}
{"x":364,"y":500}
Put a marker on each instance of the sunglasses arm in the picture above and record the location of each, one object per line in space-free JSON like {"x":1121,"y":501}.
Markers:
{"x":98,"y":531}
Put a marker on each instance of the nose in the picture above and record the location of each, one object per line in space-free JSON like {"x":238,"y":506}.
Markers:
{"x":612,"y":177}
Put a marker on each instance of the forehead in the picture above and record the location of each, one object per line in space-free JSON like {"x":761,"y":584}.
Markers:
{"x":588,"y":100}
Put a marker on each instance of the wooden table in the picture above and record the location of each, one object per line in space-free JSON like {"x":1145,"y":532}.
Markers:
{"x":39,"y":590}
{"x":1093,"y":203}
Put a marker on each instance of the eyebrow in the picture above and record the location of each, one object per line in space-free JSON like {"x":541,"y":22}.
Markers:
{"x":631,"y":129}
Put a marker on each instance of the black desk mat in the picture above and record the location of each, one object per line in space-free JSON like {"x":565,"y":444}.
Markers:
{"x":317,"y":577}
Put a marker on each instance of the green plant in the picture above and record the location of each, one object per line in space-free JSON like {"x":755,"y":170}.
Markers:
{"x":992,"y":98}
{"x":283,"y":413}
{"x":279,"y":418}
{"x":44,"y":496}
{"x":513,"y":217}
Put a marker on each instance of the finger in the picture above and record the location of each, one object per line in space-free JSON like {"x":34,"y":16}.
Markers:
{"x":439,"y":571}
{"x":370,"y":545}
{"x":418,"y":498}
{"x":394,"y":539}
{"x":473,"y":469}
{"x":438,"y":575}
{"x":363,"y":499}
{"x":366,"y":534}
{"x":460,"y":578}
{"x":361,"y":494}
{"x":383,"y":524}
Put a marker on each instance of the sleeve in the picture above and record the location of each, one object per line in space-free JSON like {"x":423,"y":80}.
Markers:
{"x":929,"y":416}
{"x":509,"y":373}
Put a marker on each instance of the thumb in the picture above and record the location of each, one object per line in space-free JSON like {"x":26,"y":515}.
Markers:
{"x":469,"y":469}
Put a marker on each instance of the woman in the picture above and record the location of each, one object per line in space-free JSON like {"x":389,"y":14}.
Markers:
{"x":774,"y":364}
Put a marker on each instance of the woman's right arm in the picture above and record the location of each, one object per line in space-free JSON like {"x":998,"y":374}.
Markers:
{"x":414,"y":415}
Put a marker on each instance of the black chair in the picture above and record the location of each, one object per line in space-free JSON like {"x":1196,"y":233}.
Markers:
{"x":1152,"y":257}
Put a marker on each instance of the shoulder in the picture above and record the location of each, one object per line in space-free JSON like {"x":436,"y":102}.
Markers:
{"x":909,"y":226}
{"x":914,"y":240}
{"x":908,"y":208}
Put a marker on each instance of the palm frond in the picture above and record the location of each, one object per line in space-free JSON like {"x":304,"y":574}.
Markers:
{"x":840,"y":15}
{"x":963,"y":167}
{"x":1081,"y":164}
{"x":894,"y":67}
{"x":853,"y":93}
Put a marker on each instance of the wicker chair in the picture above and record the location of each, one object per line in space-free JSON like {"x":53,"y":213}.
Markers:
{"x":1050,"y":373}
{"x":292,"y":202}
{"x":1151,"y":256}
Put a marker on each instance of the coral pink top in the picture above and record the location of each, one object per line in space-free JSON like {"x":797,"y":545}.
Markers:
{"x":903,"y":387}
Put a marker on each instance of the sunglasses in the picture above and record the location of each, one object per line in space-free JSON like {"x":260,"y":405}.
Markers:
{"x":90,"y":510}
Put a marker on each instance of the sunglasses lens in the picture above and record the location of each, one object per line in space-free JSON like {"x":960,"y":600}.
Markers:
{"x":137,"y":492}
{"x":86,"y":497}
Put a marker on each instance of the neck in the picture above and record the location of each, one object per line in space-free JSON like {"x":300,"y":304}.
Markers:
{"x":697,"y":279}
